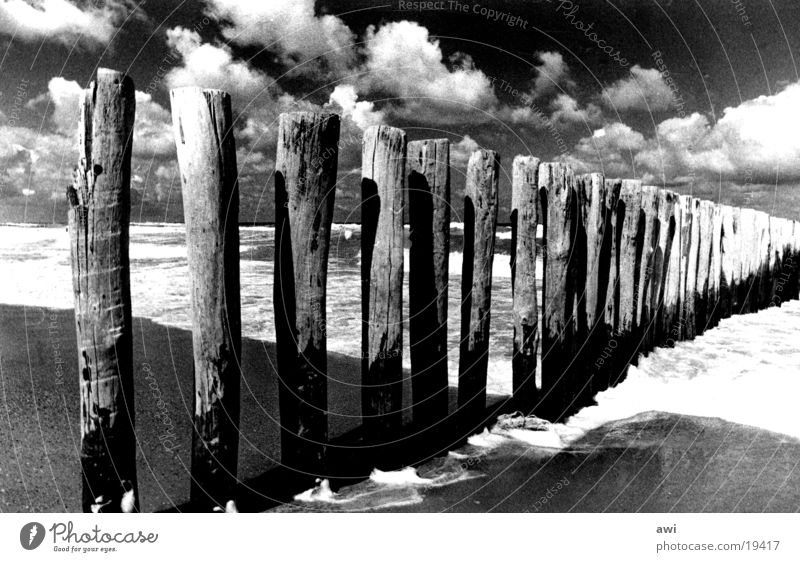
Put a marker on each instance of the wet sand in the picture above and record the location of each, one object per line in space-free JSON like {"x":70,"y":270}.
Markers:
{"x":653,"y":462}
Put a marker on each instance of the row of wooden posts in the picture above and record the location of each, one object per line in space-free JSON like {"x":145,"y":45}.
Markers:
{"x":626,"y":268}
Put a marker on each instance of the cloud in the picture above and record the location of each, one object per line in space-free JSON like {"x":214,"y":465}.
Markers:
{"x":754,"y":142}
{"x":63,"y":21}
{"x":462,"y":150}
{"x":403,"y":61}
{"x":288,"y":28}
{"x":211,"y":66}
{"x":551,"y":73}
{"x":362,"y":113}
{"x":644,"y":90}
{"x":566,"y":110}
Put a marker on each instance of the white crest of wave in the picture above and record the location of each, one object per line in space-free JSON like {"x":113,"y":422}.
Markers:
{"x":404,"y":477}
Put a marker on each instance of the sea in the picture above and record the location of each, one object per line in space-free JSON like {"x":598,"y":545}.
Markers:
{"x":747,"y":370}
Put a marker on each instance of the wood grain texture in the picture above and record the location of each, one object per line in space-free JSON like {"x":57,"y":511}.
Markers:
{"x":525,"y":309}
{"x":480,"y":224}
{"x":645,"y":286}
{"x":383,"y":160}
{"x":202,"y":125}
{"x":99,"y":216}
{"x":703,"y":286}
{"x":668,"y":231}
{"x":429,"y":255}
{"x":305,"y":186}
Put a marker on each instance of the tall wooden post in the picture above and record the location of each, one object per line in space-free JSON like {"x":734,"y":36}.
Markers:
{"x":667,"y":232}
{"x":203,"y":128}
{"x":99,"y":216}
{"x":429,"y":256}
{"x":731,"y":264}
{"x":749,"y":259}
{"x":524,"y":222}
{"x":763,"y":282}
{"x":383,"y":160}
{"x":615,"y":214}
{"x":704,"y":221}
{"x":559,"y":214}
{"x":670,"y":306}
{"x":480,"y":224}
{"x":591,"y":189}
{"x":645,"y":285}
{"x":688,"y":268}
{"x":714,"y":308}
{"x":305,"y":184}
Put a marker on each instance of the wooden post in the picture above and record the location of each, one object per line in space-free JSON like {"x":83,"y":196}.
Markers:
{"x":731,"y":261}
{"x":524,"y":222}
{"x":559,"y":213}
{"x":667,"y":203}
{"x":704,"y":222}
{"x":603,"y":363}
{"x":480,"y":224}
{"x":202,"y":125}
{"x":688,"y":268}
{"x":763,"y":275}
{"x":429,"y":255}
{"x":99,"y":216}
{"x":748,"y":259}
{"x":644,"y":311}
{"x":592,"y":285}
{"x":305,"y":186}
{"x":714,"y":308}
{"x":383,"y":160}
{"x":670,"y":306}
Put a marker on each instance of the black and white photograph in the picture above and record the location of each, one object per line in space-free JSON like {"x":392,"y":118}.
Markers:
{"x":311,"y":258}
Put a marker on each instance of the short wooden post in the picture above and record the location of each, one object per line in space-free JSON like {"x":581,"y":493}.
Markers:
{"x":429,"y":233}
{"x":703,"y":221}
{"x":650,"y":237}
{"x":305,"y":186}
{"x":203,"y":128}
{"x":560,"y":218}
{"x":383,"y":159}
{"x":524,"y":222}
{"x":480,"y":224}
{"x":99,"y":216}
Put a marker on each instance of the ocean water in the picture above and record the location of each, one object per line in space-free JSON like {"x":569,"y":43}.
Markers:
{"x":37,"y":272}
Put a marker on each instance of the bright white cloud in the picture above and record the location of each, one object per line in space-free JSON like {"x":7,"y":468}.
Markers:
{"x":211,"y":66}
{"x":566,"y":110}
{"x":552,"y":73}
{"x":289,"y":28}
{"x":402,"y":60}
{"x":644,"y":90}
{"x":362,"y":113}
{"x":462,"y":150}
{"x":61,"y":20}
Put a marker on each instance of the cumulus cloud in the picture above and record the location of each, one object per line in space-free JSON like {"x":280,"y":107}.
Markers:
{"x":288,"y":28}
{"x":362,"y":113}
{"x":566,"y":110}
{"x":403,"y":61}
{"x":751,"y":143}
{"x":552,"y":73}
{"x":212,"y":66}
{"x":63,"y":21}
{"x":462,"y":150}
{"x":644,"y":90}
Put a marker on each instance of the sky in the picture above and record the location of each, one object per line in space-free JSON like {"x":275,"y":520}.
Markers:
{"x":699,"y":96}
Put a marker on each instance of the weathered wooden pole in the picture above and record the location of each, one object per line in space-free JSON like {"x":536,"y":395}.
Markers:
{"x":704,"y":223}
{"x":688,"y":268}
{"x":714,"y":308}
{"x":99,"y":216}
{"x":670,"y":306}
{"x":628,"y":270}
{"x":429,"y":217}
{"x":383,"y":159}
{"x":763,"y":274}
{"x":592,"y":286}
{"x":731,"y":260}
{"x":305,"y":189}
{"x":480,"y":224}
{"x":559,"y":214}
{"x":603,"y":367}
{"x":644,"y":311}
{"x":525,"y":310}
{"x":748,"y":258}
{"x":668,"y":231}
{"x":203,"y":128}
